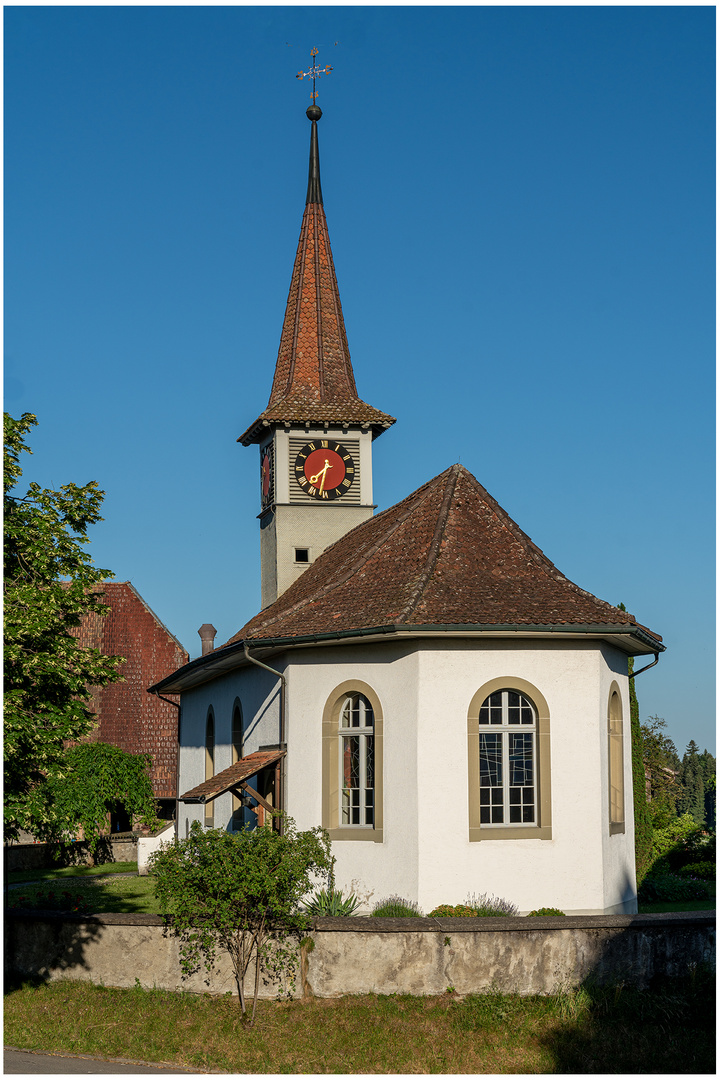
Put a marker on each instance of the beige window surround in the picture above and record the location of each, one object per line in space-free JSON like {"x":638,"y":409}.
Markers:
{"x":331,"y":733}
{"x":616,"y":754}
{"x":543,"y":829}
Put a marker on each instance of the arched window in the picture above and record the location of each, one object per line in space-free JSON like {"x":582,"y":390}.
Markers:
{"x":508,"y":781}
{"x":352,"y":763}
{"x":616,"y":781}
{"x":509,"y":762}
{"x":357,"y":761}
{"x":210,"y":764}
{"x":237,"y":753}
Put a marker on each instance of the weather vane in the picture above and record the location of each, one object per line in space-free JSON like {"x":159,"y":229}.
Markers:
{"x":315,"y":71}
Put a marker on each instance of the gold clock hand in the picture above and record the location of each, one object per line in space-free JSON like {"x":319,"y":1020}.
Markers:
{"x":314,"y":479}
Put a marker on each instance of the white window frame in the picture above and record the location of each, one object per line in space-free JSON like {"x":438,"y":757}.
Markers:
{"x":364,"y":731}
{"x":505,"y":730}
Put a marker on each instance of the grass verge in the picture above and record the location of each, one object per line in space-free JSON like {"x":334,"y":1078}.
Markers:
{"x":18,"y":877}
{"x":677,"y":905}
{"x":665,"y":1030}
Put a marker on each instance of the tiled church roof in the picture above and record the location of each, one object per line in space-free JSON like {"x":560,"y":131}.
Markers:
{"x":447,"y":555}
{"x":314,"y":381}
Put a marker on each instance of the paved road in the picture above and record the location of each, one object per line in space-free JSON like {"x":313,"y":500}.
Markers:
{"x":25,"y":1061}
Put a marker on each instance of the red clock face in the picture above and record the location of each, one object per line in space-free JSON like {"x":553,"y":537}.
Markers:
{"x":324,"y":469}
{"x":266,"y":476}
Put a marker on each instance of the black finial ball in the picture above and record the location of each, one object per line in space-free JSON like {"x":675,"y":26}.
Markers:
{"x":313,"y":112}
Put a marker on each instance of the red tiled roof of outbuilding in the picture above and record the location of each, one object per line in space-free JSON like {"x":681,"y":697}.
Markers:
{"x":447,"y":555}
{"x":314,"y":381}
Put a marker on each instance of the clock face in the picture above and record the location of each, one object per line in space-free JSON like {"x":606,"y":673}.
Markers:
{"x":324,"y":469}
{"x":266,"y":476}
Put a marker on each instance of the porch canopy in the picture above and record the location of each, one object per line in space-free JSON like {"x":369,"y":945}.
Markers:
{"x":235,"y":779}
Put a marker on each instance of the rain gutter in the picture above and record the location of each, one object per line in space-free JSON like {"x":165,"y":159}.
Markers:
{"x":282,"y":745}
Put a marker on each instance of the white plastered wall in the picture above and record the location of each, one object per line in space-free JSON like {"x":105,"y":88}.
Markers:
{"x":425,"y":690}
{"x":620,"y":890}
{"x":258,"y":694}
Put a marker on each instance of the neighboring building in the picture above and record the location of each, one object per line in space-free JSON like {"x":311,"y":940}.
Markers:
{"x":424,"y":683}
{"x":128,"y":716}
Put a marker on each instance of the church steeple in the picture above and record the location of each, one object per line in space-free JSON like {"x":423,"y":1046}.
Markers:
{"x":315,"y":436}
{"x":314,"y":381}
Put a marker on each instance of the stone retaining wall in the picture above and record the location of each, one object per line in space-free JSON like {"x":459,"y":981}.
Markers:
{"x":385,"y":956}
{"x":77,"y":853}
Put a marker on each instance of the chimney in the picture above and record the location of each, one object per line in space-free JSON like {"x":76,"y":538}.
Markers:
{"x":207,"y":634}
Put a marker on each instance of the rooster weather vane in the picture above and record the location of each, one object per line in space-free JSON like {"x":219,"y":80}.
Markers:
{"x":315,"y":72}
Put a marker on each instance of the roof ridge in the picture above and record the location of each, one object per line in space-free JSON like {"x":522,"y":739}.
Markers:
{"x":434,"y":549}
{"x":413,"y":501}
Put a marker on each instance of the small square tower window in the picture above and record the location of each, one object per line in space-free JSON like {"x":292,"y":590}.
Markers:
{"x":302,"y":555}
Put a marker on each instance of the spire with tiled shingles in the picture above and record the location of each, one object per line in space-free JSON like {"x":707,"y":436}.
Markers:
{"x":314,"y":381}
{"x":447,"y":556}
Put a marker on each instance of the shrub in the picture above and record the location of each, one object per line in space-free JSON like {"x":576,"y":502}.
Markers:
{"x":658,"y":888}
{"x":673,"y":845}
{"x":545,"y":911}
{"x":240,"y":893}
{"x":447,"y":911}
{"x":704,"y":870}
{"x":394,"y":907}
{"x":485,"y":906}
{"x":331,"y":902}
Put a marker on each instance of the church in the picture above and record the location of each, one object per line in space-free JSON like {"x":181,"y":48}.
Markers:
{"x":423,"y":682}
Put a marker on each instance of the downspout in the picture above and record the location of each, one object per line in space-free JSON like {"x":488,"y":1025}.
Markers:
{"x":283,"y":703}
{"x":646,"y":668}
{"x":177,"y":759}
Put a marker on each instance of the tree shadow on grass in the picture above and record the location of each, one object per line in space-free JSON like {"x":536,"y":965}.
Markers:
{"x":667,"y":1027}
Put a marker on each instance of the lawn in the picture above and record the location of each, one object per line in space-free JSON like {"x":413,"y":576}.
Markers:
{"x":17,"y":877}
{"x":102,"y":894}
{"x":617,"y":1030}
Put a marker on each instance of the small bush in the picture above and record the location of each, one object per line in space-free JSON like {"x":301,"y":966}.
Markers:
{"x":394,"y":907}
{"x":331,"y":902}
{"x":658,"y":888}
{"x":485,"y":906}
{"x":447,"y":911}
{"x":704,"y":870}
{"x":545,"y":911}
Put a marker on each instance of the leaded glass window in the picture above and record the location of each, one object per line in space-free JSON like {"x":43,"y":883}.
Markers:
{"x":508,"y":756}
{"x":357,"y":761}
{"x":615,"y":760}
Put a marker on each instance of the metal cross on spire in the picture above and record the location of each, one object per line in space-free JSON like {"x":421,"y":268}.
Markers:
{"x":315,"y":72}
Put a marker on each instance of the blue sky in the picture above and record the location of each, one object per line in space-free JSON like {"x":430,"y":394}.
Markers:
{"x":521,"y":207}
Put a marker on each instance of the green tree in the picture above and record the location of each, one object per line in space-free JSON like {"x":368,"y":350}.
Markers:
{"x":643,"y":823}
{"x":96,"y":779}
{"x":50,"y":583}
{"x":241,"y":892}
{"x":692,"y":786}
{"x":660,"y":758}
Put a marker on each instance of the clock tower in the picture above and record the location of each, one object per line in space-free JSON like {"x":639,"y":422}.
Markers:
{"x":315,"y":436}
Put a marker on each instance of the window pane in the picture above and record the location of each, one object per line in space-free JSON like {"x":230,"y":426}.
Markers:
{"x":369,"y":761}
{"x":490,"y":760}
{"x":521,"y":758}
{"x":351,"y":761}
{"x":369,"y":814}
